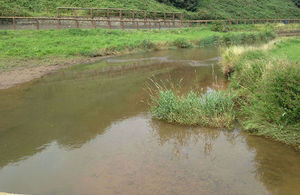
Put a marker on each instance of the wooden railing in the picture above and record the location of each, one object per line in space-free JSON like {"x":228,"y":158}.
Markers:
{"x":117,"y":13}
{"x":121,"y":23}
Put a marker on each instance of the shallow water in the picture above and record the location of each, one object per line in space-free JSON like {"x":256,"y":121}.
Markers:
{"x":82,"y":131}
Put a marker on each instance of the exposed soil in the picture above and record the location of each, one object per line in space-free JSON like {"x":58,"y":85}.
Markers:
{"x":10,"y":78}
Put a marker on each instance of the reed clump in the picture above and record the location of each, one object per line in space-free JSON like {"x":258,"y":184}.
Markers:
{"x":210,"y":109}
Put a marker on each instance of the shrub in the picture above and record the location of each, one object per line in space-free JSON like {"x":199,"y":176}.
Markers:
{"x":182,"y":43}
{"x":148,"y":44}
{"x":219,"y":26}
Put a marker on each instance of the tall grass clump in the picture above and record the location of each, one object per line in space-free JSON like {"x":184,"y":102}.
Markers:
{"x":211,"y":109}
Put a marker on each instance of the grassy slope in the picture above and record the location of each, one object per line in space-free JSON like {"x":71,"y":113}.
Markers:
{"x":48,"y":7}
{"x":268,"y":79}
{"x":231,"y":9}
{"x":211,"y":9}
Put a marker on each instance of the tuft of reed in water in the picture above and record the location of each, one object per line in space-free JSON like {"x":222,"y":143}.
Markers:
{"x":210,"y":109}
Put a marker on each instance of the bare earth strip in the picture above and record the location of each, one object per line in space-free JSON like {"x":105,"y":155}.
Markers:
{"x":24,"y":74}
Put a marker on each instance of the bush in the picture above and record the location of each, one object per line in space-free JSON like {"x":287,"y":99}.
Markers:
{"x":182,"y":43}
{"x":148,"y":44}
{"x":213,"y":109}
{"x":219,"y":26}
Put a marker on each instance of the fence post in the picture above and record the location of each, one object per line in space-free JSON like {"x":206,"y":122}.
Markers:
{"x":14,"y":23}
{"x":252,"y":21}
{"x":57,"y":12}
{"x":173,"y":17}
{"x":108,"y":18}
{"x":145,"y":17}
{"x":92,"y":16}
{"x":159,"y":25}
{"x":37,"y":24}
{"x":237,"y":22}
{"x":133,"y":16}
{"x":181,"y":18}
{"x":109,"y":23}
{"x":107,"y":13}
{"x":75,"y":16}
{"x":165,"y":17}
{"x":121,"y":15}
{"x":137,"y":24}
{"x":245,"y":22}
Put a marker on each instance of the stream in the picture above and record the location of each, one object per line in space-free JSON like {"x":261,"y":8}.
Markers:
{"x":83,"y":130}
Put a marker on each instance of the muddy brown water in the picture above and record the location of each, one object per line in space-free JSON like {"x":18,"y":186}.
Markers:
{"x":83,"y":131}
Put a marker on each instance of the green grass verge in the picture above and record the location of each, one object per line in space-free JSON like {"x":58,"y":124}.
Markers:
{"x":20,"y":46}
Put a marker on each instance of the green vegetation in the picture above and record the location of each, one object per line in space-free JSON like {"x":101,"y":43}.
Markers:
{"x":18,"y":47}
{"x":213,"y":108}
{"x":190,"y":5}
{"x":48,"y":7}
{"x":230,"y":9}
{"x":197,"y":9}
{"x":267,"y":82}
{"x":264,"y":93}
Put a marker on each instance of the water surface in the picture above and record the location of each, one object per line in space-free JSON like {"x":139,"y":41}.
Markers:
{"x":85,"y":131}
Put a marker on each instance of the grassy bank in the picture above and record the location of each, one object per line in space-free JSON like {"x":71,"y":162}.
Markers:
{"x":30,"y":47}
{"x":267,"y":82}
{"x":206,"y":9}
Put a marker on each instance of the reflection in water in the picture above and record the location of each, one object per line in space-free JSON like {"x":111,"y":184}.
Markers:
{"x":181,"y":136}
{"x":83,"y":131}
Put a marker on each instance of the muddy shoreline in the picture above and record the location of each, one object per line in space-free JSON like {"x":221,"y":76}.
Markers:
{"x":16,"y":76}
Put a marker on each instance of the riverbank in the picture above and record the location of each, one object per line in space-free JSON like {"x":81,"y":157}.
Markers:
{"x":264,"y":86}
{"x":266,"y":81}
{"x":36,"y":53}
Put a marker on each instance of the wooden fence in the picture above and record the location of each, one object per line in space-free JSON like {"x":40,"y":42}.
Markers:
{"x":108,"y":13}
{"x":120,"y":23}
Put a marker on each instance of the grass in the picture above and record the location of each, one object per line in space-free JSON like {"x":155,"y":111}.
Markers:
{"x":257,"y":9}
{"x":48,"y":7}
{"x":212,"y":109}
{"x":266,"y":80}
{"x":18,"y":47}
